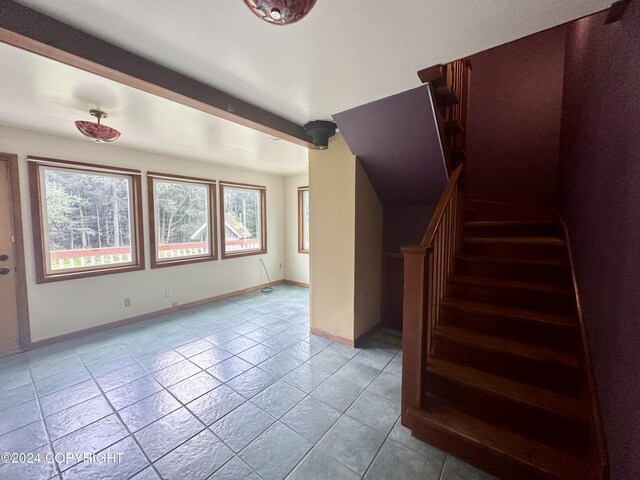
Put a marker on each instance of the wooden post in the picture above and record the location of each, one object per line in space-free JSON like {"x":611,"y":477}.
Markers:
{"x":413,"y":326}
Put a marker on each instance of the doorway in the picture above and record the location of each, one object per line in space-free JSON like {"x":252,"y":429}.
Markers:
{"x":14,"y":323}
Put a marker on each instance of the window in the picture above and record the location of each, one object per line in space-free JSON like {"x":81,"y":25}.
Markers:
{"x":86,"y":219}
{"x":244,"y":217}
{"x":182,"y":219}
{"x":303,"y":220}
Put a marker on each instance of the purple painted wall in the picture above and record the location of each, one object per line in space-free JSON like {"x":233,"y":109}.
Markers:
{"x":600,"y":198}
{"x":513,"y":131}
{"x":405,"y":225}
{"x":396,"y":140}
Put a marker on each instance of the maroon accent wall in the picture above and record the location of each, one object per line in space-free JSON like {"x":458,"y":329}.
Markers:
{"x":600,"y":200}
{"x":513,"y":131}
{"x":397,"y":142}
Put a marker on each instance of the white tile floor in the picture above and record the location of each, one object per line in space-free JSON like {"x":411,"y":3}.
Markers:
{"x":236,"y":389}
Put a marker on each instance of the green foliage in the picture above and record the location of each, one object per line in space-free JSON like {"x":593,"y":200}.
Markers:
{"x":181,"y":212}
{"x":86,"y":210}
{"x":242,"y":209}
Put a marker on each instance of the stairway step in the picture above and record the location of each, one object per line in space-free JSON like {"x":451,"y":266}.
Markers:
{"x":534,"y":270}
{"x":556,"y":331}
{"x":544,"y":367}
{"x":511,"y":347}
{"x":506,"y":454}
{"x":510,"y":228}
{"x":511,"y":293}
{"x":544,"y":247}
{"x":551,"y":319}
{"x":494,"y":211}
{"x":519,"y":392}
{"x":552,"y":418}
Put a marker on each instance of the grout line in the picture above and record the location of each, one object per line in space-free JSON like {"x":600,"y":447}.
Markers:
{"x":46,"y":428}
{"x":173,"y":348}
{"x":126,"y":427}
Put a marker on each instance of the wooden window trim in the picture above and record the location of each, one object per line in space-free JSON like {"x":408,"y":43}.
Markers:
{"x":263,"y":219}
{"x":19,"y":250}
{"x":38,"y":225}
{"x":213,"y":250}
{"x":301,"y":248}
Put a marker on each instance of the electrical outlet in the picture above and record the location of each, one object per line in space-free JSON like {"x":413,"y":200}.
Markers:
{"x":280,"y":264}
{"x":167,"y":293}
{"x":174,"y":304}
{"x":127,"y":302}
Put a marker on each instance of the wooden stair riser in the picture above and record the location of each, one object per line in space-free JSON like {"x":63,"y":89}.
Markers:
{"x":551,"y":335}
{"x":540,"y":300}
{"x":523,"y":230}
{"x":530,"y":272}
{"x":454,"y":437}
{"x":531,"y":251}
{"x":477,"y":210}
{"x":569,"y":434}
{"x":549,"y":375}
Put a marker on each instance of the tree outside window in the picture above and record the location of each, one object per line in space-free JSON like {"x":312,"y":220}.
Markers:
{"x":182,"y":221}
{"x":244,"y":217}
{"x":86,"y":220}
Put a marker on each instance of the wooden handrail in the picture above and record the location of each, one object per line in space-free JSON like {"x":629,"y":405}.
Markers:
{"x":450,"y":86}
{"x":436,"y":219}
{"x":597,"y":443}
{"x":427,"y":268}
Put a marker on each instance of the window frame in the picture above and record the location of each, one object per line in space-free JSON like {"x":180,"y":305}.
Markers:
{"x":213,"y":250}
{"x":263,"y":219}
{"x":301,"y":248}
{"x":36,"y":189}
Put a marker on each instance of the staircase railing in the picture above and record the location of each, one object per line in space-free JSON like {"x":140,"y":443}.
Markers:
{"x":450,"y":85}
{"x":427,"y":268}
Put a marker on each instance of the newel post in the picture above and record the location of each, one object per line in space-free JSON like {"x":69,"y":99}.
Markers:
{"x":413,"y":329}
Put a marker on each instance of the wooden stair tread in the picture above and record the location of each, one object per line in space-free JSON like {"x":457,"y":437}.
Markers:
{"x":509,"y":223}
{"x":510,"y":446}
{"x":513,"y":284}
{"x":511,"y":261}
{"x":506,"y":345}
{"x":520,"y":392}
{"x":503,"y":311}
{"x":551,"y":241}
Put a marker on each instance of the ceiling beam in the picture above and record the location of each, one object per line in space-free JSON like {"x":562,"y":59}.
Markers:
{"x":29,"y":30}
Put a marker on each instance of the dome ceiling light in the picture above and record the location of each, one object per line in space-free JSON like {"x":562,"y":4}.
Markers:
{"x":95,"y":131}
{"x":280,"y":12}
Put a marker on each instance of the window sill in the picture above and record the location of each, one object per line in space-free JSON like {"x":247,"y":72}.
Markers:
{"x":182,"y":261}
{"x":226,"y":256}
{"x":59,"y":277}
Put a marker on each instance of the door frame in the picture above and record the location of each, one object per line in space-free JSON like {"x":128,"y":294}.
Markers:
{"x":18,"y":246}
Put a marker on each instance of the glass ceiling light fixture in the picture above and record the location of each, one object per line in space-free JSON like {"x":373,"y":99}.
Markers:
{"x":95,"y":131}
{"x":280,"y":12}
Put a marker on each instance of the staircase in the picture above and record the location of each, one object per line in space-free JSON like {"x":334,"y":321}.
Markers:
{"x":504,"y":376}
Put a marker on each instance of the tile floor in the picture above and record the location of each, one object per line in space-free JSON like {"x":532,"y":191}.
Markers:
{"x":236,"y":389}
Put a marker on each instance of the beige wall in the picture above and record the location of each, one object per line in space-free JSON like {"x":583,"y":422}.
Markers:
{"x":67,"y":306}
{"x":368,"y":254}
{"x":332,"y":256}
{"x":296,"y":265}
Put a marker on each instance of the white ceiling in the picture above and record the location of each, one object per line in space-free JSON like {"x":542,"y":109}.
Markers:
{"x":43,"y":95}
{"x":343,"y":54}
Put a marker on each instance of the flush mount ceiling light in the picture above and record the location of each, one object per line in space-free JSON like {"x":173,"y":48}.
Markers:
{"x":96,"y":132}
{"x":320,"y":131}
{"x":280,"y":12}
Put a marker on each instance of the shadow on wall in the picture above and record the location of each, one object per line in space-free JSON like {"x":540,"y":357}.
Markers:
{"x":600,"y":191}
{"x":513,"y":132}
